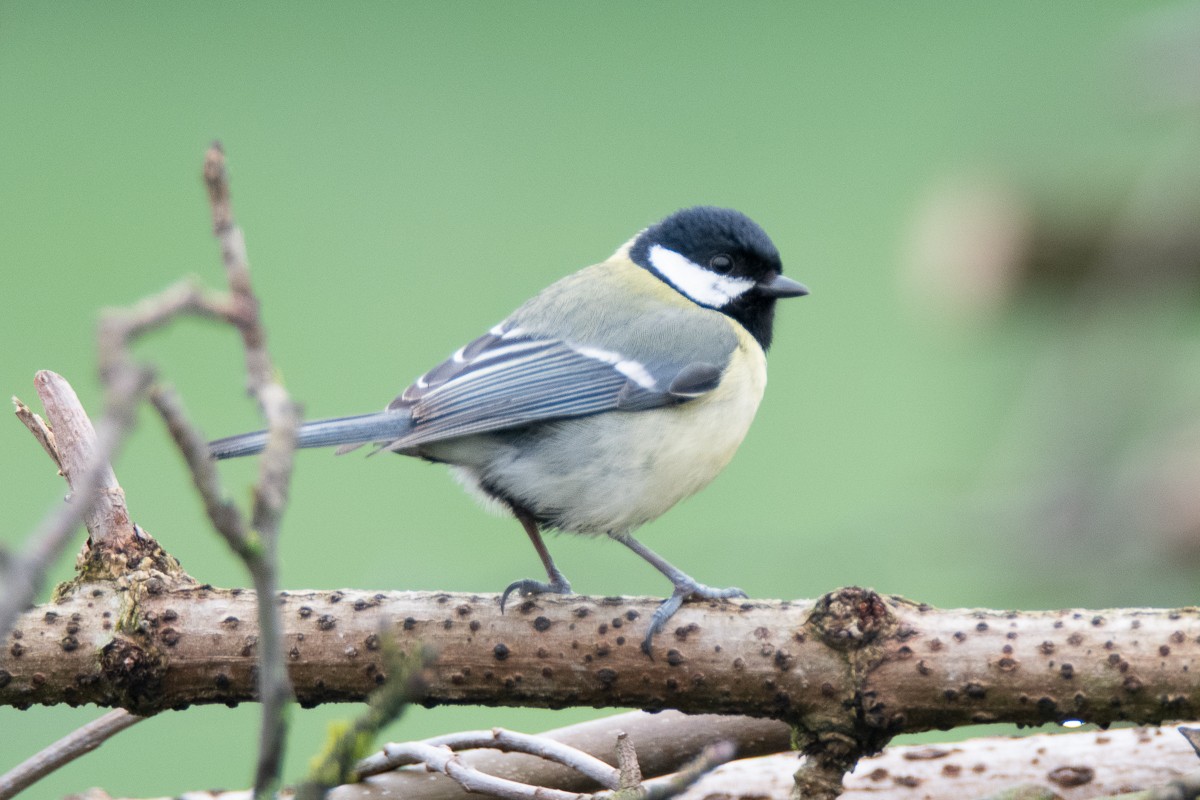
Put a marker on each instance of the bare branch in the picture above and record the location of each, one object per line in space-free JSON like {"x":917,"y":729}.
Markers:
{"x":117,"y":330}
{"x":914,"y":667}
{"x":275,"y":470}
{"x":107,"y":520}
{"x":444,"y":760}
{"x":224,"y":515}
{"x":668,"y":741}
{"x":82,"y":740}
{"x":395,"y":754}
{"x":24,"y":574}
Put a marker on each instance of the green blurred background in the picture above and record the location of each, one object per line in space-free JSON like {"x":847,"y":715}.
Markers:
{"x":968,"y":410}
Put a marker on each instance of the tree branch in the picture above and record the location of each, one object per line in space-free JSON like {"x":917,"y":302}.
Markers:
{"x":852,"y":666}
{"x":275,"y":471}
{"x":666,"y":742}
{"x":80,"y":741}
{"x":400,"y":754}
{"x":118,"y":548}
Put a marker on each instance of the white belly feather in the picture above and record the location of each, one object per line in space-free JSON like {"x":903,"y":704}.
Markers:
{"x":610,"y":473}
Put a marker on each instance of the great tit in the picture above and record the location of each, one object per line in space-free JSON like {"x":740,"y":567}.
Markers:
{"x":605,"y":399}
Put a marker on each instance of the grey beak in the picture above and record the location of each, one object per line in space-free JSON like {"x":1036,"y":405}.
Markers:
{"x":781,"y":286}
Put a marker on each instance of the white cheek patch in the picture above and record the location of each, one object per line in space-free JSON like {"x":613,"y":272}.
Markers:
{"x":702,"y":285}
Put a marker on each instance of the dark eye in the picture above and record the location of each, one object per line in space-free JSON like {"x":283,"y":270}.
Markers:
{"x":721,"y":263}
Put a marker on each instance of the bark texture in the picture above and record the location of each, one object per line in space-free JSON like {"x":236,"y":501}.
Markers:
{"x":850,"y":669}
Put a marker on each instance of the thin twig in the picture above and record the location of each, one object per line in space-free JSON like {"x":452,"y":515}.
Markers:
{"x":275,"y":470}
{"x":222,"y":513}
{"x":669,"y":740}
{"x":399,"y":754}
{"x":445,"y":761}
{"x":438,"y":754}
{"x":257,"y":547}
{"x":37,"y":426}
{"x":78,"y":742}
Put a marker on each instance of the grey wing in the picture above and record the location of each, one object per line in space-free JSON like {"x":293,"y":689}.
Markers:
{"x":507,"y":379}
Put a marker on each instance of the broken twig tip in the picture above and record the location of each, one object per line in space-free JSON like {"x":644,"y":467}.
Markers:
{"x":40,"y":430}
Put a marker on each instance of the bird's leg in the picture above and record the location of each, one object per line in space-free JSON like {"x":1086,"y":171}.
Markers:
{"x":558,"y":583}
{"x":686,"y":588}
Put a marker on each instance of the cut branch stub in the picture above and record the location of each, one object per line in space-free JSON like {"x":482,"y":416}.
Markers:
{"x":107,"y":520}
{"x":115,"y":544}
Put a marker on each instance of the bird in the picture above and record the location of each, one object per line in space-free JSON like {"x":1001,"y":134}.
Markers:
{"x":602,"y":401}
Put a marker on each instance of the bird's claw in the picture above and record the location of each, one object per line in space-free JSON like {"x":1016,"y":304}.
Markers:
{"x":684,"y":591}
{"x":528,"y":586}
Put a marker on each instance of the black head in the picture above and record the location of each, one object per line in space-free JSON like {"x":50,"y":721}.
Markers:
{"x":720,"y":259}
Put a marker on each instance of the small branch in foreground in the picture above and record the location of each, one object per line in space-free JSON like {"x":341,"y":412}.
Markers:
{"x":401,"y":754}
{"x":275,"y":470}
{"x":668,"y":740}
{"x":82,"y":740}
{"x":621,"y":783}
{"x":224,"y":515}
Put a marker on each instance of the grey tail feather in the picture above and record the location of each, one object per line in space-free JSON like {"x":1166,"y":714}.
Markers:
{"x":380,"y":426}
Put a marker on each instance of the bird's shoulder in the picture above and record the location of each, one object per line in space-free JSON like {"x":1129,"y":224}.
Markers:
{"x":620,"y":307}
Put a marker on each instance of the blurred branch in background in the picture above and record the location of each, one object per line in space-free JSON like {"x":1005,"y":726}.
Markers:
{"x":1101,"y":451}
{"x":118,"y":550}
{"x":79,"y":742}
{"x":1067,"y":766}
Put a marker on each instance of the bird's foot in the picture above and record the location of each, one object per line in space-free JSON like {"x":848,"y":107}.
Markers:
{"x":684,"y":591}
{"x":528,"y":586}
